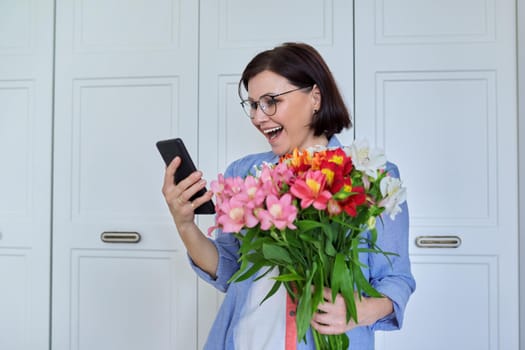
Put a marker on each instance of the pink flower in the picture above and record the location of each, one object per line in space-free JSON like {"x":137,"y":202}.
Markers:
{"x":280,"y":212}
{"x":233,"y":185}
{"x":269,"y":186}
{"x":282,"y":174}
{"x":233,"y":215}
{"x":252,"y":193}
{"x":311,"y":190}
{"x":217,"y":186}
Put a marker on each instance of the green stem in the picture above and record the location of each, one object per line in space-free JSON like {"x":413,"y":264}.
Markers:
{"x":316,"y":339}
{"x":330,"y":342}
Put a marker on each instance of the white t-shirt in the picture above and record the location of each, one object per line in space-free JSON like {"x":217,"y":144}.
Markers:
{"x":262,"y":326}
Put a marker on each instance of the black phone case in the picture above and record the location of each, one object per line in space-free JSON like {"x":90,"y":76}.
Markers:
{"x":171,"y":148}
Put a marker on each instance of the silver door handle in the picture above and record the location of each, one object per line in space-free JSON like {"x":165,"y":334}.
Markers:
{"x":438,"y":241}
{"x":120,"y":237}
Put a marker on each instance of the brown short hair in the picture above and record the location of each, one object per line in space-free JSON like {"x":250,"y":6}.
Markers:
{"x":303,"y":66}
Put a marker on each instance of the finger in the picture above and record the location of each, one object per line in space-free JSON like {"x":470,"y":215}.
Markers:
{"x":327,"y":293}
{"x":325,"y":328}
{"x":195,"y":187}
{"x":330,"y":323}
{"x":189,"y":181}
{"x":202,"y":199}
{"x":169,"y":174}
{"x":189,"y":186}
{"x":321,"y":318}
{"x":324,"y":307}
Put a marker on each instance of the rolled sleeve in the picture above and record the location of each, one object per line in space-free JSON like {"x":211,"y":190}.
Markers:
{"x":392,"y":276}
{"x":227,"y":247}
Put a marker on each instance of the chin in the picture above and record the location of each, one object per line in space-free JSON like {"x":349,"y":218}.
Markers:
{"x":279,"y":150}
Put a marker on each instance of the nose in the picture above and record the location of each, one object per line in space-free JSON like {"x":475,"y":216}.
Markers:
{"x":259,"y":116}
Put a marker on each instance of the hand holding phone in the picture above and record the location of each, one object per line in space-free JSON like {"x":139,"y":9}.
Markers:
{"x":169,"y":149}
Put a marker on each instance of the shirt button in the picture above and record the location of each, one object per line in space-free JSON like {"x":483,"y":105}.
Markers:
{"x":292,"y":313}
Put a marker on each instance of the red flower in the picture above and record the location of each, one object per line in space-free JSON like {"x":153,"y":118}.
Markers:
{"x":311,"y":190}
{"x":357,"y":197}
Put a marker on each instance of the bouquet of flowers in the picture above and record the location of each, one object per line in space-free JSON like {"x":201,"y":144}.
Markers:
{"x":311,"y":215}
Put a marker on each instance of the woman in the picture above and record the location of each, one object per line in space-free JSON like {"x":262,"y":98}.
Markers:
{"x":294,"y":102}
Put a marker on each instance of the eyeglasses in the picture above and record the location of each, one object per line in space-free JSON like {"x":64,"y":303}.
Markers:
{"x":267,"y":103}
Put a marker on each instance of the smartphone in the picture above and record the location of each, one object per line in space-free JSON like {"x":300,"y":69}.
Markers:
{"x":171,"y":148}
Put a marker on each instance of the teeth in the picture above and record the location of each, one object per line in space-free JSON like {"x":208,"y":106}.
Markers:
{"x":273,"y":130}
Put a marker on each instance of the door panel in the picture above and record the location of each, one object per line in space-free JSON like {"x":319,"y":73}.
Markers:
{"x":422,"y":21}
{"x":115,"y":124}
{"x":460,"y":293}
{"x":152,"y":292}
{"x":435,"y":87}
{"x":17,"y":111}
{"x":125,"y":78}
{"x":26,"y":66}
{"x":446,"y":107}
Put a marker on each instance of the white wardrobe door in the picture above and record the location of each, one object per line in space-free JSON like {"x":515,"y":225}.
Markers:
{"x":436,"y":88}
{"x":26,"y":67}
{"x":126,"y":77}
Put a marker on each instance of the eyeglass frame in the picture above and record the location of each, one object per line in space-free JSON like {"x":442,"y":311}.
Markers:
{"x":272,"y":97}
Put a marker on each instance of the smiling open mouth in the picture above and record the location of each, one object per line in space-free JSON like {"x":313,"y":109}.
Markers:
{"x":273,"y":132}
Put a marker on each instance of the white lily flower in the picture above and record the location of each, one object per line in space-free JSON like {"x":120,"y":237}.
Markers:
{"x":394,"y":194}
{"x":367,"y":160}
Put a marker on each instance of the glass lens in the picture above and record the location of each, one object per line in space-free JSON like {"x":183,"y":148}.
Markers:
{"x":268,"y":105}
{"x":247,"y":107}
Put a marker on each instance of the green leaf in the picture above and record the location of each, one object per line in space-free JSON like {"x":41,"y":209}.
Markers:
{"x":375,"y":249}
{"x":245,"y":240}
{"x":242,"y":275}
{"x":254,"y":257}
{"x":302,"y":317}
{"x":292,"y":291}
{"x":262,"y":275}
{"x":289,"y":277}
{"x":347,"y":291}
{"x":346,"y":341}
{"x":318,"y":291}
{"x":304,"y":307}
{"x":307,"y":225}
{"x":308,"y":238}
{"x":299,"y":258}
{"x":363,"y":284}
{"x":338,"y":272}
{"x":330,"y":232}
{"x":272,"y":291}
{"x":276,"y":253}
{"x":329,"y":249}
{"x":290,"y":236}
{"x":373,"y":235}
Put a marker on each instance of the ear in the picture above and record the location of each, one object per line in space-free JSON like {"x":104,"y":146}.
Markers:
{"x":316,"y":97}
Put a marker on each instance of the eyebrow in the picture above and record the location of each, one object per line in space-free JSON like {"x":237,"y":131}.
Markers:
{"x":265,"y":94}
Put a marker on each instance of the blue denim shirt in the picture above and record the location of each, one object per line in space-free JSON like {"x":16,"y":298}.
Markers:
{"x":393,"y":279}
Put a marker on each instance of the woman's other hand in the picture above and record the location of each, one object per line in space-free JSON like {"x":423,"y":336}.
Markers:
{"x":331,"y":317}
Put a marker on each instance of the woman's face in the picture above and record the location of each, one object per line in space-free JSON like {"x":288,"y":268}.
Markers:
{"x":289,"y":127}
